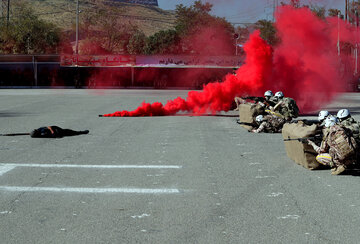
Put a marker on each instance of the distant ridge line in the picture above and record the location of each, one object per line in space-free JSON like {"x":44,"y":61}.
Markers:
{"x":144,"y":2}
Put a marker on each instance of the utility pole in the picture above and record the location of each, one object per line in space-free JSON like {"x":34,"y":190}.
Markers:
{"x":346,"y":10}
{"x":338,"y":39}
{"x":356,"y":44}
{"x":77,"y":28}
{"x":275,"y":4}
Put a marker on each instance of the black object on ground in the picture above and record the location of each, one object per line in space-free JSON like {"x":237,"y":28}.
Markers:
{"x":55,"y":132}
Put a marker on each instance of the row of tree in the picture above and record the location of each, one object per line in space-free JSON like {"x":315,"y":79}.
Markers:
{"x":104,"y":31}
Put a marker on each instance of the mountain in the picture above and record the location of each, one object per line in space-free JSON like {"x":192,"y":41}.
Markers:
{"x":145,"y":2}
{"x":149,"y":19}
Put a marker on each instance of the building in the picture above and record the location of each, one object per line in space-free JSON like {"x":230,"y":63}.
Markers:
{"x":145,"y":2}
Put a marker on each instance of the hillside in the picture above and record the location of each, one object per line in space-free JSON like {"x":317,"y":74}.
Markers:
{"x":149,"y":19}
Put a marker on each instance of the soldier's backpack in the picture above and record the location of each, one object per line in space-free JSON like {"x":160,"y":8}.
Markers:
{"x":292,"y":108}
{"x":343,"y":143}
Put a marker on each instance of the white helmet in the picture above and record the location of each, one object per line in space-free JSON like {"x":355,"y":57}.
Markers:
{"x":330,"y":121}
{"x":323,"y":114}
{"x":279,"y":94}
{"x":343,"y":113}
{"x":268,"y":93}
{"x":259,"y":118}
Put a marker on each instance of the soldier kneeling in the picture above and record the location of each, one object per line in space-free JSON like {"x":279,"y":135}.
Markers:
{"x":337,"y":149}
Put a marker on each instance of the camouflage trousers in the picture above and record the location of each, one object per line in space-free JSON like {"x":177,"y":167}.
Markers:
{"x":327,"y":160}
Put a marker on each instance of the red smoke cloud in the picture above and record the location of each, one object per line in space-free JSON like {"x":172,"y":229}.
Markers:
{"x":305,"y":66}
{"x":218,"y":96}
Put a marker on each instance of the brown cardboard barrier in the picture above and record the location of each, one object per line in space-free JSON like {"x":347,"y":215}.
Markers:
{"x":302,"y":153}
{"x":248,"y":113}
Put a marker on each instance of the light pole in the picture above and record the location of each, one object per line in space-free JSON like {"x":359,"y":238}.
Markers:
{"x":356,"y":44}
{"x":236,"y":37}
{"x":77,"y":28}
{"x":338,"y":39}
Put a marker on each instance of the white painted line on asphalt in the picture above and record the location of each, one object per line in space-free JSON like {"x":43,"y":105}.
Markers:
{"x":88,"y":190}
{"x":5,"y":168}
{"x":93,"y":166}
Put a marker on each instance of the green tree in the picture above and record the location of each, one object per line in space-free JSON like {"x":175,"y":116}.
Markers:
{"x":294,"y":3}
{"x":354,"y":10}
{"x":335,"y":13}
{"x":162,"y":42}
{"x":137,"y":43}
{"x":106,"y":26}
{"x":319,"y":11}
{"x":195,"y":23}
{"x":267,"y":31}
{"x":27,"y":34}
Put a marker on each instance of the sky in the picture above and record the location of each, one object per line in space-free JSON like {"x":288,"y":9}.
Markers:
{"x":248,"y":11}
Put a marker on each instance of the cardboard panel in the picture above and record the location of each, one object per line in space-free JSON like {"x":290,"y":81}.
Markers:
{"x":302,"y":153}
{"x":248,"y":113}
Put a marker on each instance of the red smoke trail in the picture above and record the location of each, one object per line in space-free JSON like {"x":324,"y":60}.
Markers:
{"x":304,"y":66}
{"x":217,"y":96}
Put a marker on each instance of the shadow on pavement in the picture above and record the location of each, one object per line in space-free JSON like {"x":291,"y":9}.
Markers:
{"x":12,"y":114}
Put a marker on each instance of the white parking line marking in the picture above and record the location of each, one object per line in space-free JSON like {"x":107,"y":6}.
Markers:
{"x":88,"y":190}
{"x":92,"y":166}
{"x":5,"y":168}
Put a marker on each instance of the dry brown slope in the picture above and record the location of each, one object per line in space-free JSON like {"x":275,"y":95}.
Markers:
{"x":150,"y":19}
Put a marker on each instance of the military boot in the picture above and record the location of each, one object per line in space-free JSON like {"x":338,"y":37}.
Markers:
{"x":340,"y":169}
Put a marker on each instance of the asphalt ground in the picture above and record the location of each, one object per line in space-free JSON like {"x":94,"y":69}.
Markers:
{"x":176,"y":179}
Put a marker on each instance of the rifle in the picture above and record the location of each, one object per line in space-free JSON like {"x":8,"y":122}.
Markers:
{"x":16,"y":134}
{"x":262,"y":100}
{"x":304,"y":139}
{"x":256,"y":99}
{"x":306,"y":121}
{"x":246,"y":123}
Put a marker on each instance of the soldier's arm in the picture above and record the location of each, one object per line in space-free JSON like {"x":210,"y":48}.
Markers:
{"x":51,"y":130}
{"x":316,"y":148}
{"x":261,"y":128}
{"x":277,"y":105}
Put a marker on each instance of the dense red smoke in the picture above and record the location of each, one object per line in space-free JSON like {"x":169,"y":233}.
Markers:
{"x":305,"y":66}
{"x":218,"y":96}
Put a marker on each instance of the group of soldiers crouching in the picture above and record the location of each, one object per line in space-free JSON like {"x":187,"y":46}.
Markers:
{"x":340,"y":137}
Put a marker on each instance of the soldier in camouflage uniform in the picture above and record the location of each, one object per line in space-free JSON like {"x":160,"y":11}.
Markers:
{"x":285,"y":106}
{"x":338,"y":148}
{"x":323,"y":114}
{"x":269,"y":123}
{"x":268,"y":100}
{"x":350,"y":123}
